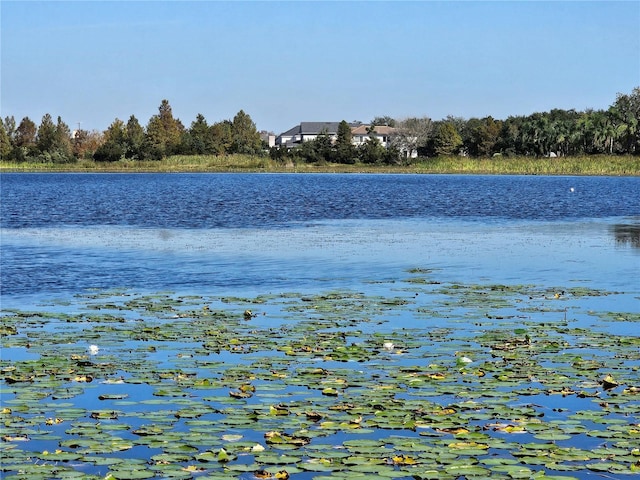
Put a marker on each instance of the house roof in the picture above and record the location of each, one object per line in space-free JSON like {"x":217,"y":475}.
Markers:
{"x":379,"y":129}
{"x":291,"y":132}
{"x":315,"y":128}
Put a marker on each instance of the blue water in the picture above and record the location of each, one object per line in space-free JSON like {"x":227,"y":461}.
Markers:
{"x":279,"y":200}
{"x":239,"y":235}
{"x":233,"y":233}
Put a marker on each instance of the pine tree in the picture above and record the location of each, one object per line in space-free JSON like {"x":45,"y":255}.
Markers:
{"x":164,"y":133}
{"x":345,"y":150}
{"x":46,"y":136}
{"x":246,"y":138}
{"x":134,"y":138}
{"x":5,"y":143}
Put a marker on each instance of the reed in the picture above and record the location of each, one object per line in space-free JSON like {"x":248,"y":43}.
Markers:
{"x":601,"y":165}
{"x":587,"y":165}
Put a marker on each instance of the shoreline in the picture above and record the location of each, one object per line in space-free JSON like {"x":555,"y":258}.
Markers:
{"x":574,"y":166}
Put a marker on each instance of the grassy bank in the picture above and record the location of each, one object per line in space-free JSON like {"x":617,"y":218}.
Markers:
{"x":592,"y":165}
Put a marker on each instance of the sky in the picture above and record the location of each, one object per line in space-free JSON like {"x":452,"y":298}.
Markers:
{"x":91,"y":62}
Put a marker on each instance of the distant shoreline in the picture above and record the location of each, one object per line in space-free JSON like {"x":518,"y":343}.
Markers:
{"x":597,"y":165}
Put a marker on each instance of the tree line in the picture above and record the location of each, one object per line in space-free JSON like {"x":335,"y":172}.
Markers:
{"x":164,"y":135}
{"x":614,"y":131}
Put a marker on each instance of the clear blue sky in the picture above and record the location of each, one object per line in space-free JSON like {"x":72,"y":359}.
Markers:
{"x":286,"y":62}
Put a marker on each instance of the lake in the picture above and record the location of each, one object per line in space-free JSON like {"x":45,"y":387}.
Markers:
{"x":326,"y":326}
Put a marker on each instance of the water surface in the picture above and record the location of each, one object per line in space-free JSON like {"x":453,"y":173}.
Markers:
{"x":220,"y":232}
{"x":522,"y":292}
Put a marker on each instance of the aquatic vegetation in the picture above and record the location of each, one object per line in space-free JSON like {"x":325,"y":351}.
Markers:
{"x":435,"y":380}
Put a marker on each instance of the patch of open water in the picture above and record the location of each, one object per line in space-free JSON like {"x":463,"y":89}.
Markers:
{"x":336,"y":253}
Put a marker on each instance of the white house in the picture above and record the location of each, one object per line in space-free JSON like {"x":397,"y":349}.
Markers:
{"x":383,"y":133}
{"x":308,"y":131}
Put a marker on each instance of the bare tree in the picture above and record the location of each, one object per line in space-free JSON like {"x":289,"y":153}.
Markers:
{"x":411,"y":134}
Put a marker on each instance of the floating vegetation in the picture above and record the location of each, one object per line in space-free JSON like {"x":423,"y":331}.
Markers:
{"x":435,"y":380}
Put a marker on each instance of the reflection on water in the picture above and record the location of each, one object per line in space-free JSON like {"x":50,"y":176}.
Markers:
{"x":627,"y":233}
{"x":326,"y":255}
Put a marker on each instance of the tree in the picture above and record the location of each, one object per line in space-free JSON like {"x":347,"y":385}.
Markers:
{"x":345,"y":151}
{"x":446,"y":141}
{"x":108,"y":152}
{"x":115,"y":133}
{"x":597,"y":131}
{"x":9,"y":125}
{"x":412,"y":134}
{"x":62,"y":143}
{"x":459,"y":123}
{"x":482,"y":136}
{"x":114,"y":146}
{"x":584,"y":128}
{"x":318,"y":150}
{"x":323,"y":147}
{"x":84,"y":143}
{"x":53,"y":141}
{"x":197,"y":140}
{"x":625,"y":113}
{"x":46,"y":136}
{"x":392,"y":156}
{"x":221,"y":136}
{"x":5,"y":143}
{"x":280,"y":154}
{"x":26,"y":133}
{"x":511,"y":137}
{"x":385,"y":120}
{"x":164,"y":133}
{"x":372,"y":150}
{"x":133,"y":139}
{"x":307,"y":152}
{"x":24,"y":140}
{"x":246,"y":138}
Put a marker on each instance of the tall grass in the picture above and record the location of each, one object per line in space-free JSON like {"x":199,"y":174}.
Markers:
{"x":587,"y":165}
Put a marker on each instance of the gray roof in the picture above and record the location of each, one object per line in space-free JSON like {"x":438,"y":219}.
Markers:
{"x":291,"y":132}
{"x":313,"y":128}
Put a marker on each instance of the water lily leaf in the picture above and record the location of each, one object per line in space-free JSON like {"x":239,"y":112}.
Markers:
{"x":611,"y":467}
{"x":147,"y":430}
{"x":132,"y":474}
{"x":541,"y":379}
{"x":467,"y":471}
{"x":608,"y":382}
{"x":279,"y":438}
{"x":552,"y":436}
{"x":331,"y":392}
{"x":113,"y":396}
{"x":513,"y":471}
{"x":59,"y":456}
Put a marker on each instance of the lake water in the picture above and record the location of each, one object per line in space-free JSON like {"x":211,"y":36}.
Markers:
{"x":63,"y":233}
{"x":446,"y":267}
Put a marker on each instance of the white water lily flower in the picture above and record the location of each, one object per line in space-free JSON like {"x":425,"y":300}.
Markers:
{"x":465,"y":360}
{"x":257,"y":448}
{"x":93,"y":349}
{"x":388,"y":346}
